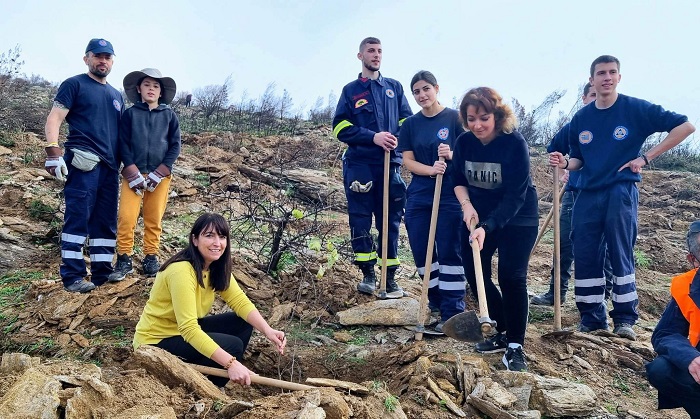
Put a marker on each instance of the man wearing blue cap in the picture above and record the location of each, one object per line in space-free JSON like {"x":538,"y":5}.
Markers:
{"x":89,"y":167}
{"x":676,"y":371}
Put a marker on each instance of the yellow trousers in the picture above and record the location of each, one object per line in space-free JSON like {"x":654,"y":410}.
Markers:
{"x":153,"y":210}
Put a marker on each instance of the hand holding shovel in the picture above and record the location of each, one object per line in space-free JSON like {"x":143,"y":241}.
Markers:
{"x":467,"y":326}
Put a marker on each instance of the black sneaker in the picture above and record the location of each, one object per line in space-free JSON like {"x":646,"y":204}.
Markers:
{"x":122,"y":268}
{"x":81,"y":286}
{"x":496,"y":343}
{"x":514,"y":359}
{"x":150,"y":265}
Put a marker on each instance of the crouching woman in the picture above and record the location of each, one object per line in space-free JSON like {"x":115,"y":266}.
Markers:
{"x":175,"y":317}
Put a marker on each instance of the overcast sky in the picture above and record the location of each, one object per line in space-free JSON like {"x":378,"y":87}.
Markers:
{"x":523,"y":49}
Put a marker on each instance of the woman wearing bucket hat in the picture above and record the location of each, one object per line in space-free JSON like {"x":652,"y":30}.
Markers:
{"x":149,"y":143}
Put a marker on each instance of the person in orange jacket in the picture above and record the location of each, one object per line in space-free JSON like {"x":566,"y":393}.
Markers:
{"x":676,"y":371}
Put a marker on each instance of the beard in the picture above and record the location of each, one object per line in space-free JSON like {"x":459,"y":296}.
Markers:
{"x":370,"y":67}
{"x":99,"y":73}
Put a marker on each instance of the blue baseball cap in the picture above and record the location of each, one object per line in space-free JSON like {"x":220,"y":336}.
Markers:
{"x":99,"y":46}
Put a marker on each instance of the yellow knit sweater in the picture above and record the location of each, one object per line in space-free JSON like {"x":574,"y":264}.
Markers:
{"x":177,"y":302}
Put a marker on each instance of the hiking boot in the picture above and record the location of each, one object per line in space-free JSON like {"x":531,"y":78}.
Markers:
{"x":514,"y":359}
{"x":392,"y":287}
{"x":624,"y":330}
{"x":122,"y":268}
{"x":496,"y":343}
{"x":81,"y":286}
{"x":438,"y":327}
{"x":587,"y":329}
{"x":369,"y":280}
{"x":150,"y":265}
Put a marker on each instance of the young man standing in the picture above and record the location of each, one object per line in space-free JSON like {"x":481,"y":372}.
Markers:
{"x":606,"y":140}
{"x":367,"y":118}
{"x":89,"y":167}
{"x":560,"y":143}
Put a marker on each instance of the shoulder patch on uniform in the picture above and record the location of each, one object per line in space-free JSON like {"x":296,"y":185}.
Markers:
{"x":117,"y":105}
{"x":443,"y":133}
{"x":585,"y":137}
{"x":360,"y":103}
{"x":620,"y":133}
{"x":390,"y":93}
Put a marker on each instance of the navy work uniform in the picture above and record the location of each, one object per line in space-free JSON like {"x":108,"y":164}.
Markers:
{"x":365,"y":108}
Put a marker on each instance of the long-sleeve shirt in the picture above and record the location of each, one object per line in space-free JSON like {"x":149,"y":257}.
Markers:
{"x":177,"y":302}
{"x":149,"y":138}
{"x":365,"y":108}
{"x":497,"y":177}
{"x":670,"y":337}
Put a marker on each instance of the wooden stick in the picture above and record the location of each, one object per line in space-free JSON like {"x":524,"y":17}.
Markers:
{"x":385,"y":224}
{"x":557,"y":255}
{"x":480,"y":288}
{"x":429,"y":257}
{"x":257,"y":379}
{"x":547,"y":220}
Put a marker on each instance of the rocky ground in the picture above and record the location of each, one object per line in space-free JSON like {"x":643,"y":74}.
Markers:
{"x":69,"y":355}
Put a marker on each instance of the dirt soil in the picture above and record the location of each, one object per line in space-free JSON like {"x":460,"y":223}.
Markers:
{"x":213,"y":173}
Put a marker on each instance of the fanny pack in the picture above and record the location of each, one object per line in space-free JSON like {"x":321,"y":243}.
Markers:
{"x":84,"y":160}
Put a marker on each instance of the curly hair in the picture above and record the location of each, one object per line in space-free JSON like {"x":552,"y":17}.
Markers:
{"x":491,"y":102}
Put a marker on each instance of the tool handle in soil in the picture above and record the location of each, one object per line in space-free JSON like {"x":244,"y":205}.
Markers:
{"x":546,"y":221}
{"x":557,"y":254}
{"x":429,"y":256}
{"x":484,"y":318}
{"x":257,"y":379}
{"x":385,"y":225}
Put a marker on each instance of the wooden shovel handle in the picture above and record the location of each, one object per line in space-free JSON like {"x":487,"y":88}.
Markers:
{"x":557,"y":255}
{"x":385,"y":222}
{"x":429,"y":254}
{"x":257,"y":379}
{"x":479,"y":273}
{"x":547,"y":220}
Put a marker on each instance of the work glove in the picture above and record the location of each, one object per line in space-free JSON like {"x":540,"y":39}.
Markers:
{"x":54,"y":164}
{"x":56,"y":167}
{"x":156,"y":176}
{"x":137,"y":182}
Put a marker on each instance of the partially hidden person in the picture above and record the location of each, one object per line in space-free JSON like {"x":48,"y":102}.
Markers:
{"x":149,"y":145}
{"x":427,"y":140}
{"x":676,"y":370}
{"x":175,"y":316}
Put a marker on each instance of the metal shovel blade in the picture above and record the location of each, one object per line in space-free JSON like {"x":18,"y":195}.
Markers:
{"x":465,"y":327}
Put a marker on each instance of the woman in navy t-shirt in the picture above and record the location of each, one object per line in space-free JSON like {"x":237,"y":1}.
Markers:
{"x":493,"y":185}
{"x":426,"y":137}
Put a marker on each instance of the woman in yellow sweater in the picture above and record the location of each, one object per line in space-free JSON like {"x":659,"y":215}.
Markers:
{"x":175,"y":317}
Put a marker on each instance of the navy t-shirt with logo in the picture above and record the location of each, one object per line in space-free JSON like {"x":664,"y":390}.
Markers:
{"x":422,"y":135}
{"x":606,"y":139}
{"x":497,"y":177}
{"x":94,"y":112}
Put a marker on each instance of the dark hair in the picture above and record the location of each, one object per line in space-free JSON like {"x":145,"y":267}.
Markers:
{"x":491,"y":102}
{"x":691,"y":239}
{"x":219,"y":270}
{"x":369,"y":40}
{"x":425,"y":76}
{"x":603,"y":59}
{"x":586,"y":89}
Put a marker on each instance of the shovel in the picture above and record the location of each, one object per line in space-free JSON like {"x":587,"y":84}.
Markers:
{"x":382,"y":295}
{"x":557,"y":266}
{"x":467,"y":326}
{"x":547,"y":219}
{"x":287,"y":385}
{"x":420,"y":326}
